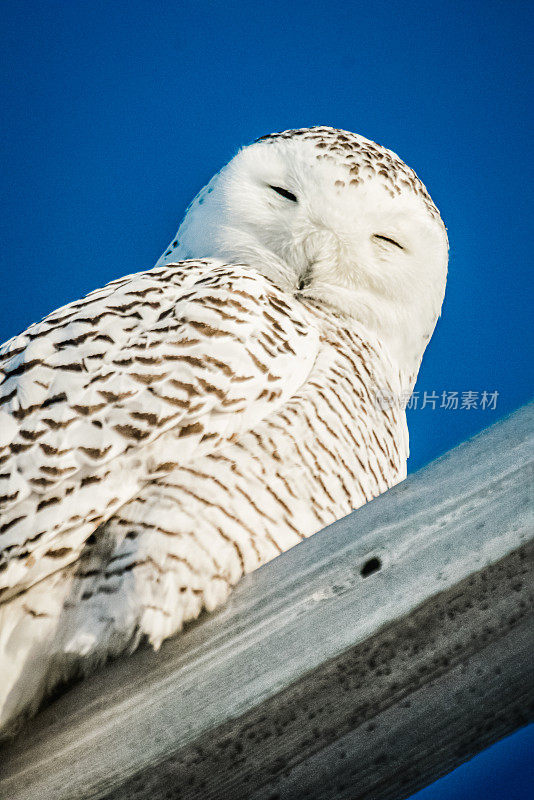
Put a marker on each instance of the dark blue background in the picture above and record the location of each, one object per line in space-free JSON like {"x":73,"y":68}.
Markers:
{"x":116,"y":113}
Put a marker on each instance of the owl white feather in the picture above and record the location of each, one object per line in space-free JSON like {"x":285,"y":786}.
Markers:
{"x":182,"y":426}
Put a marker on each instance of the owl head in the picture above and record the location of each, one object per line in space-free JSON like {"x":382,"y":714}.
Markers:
{"x":335,"y":220}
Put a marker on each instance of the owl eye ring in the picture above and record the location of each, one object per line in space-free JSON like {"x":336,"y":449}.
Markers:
{"x":387,"y":239}
{"x":284,"y":193}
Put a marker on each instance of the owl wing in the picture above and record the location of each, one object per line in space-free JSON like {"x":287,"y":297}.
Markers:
{"x":124,"y":385}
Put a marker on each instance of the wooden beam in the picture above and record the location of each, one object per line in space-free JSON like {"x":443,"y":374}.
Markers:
{"x":365,"y":662}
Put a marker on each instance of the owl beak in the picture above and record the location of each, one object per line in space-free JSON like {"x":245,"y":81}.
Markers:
{"x":305,"y":278}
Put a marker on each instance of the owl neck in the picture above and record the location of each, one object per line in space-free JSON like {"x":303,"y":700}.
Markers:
{"x":401,"y":332}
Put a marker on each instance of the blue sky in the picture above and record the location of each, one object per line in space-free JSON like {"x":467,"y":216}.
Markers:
{"x":116,"y":113}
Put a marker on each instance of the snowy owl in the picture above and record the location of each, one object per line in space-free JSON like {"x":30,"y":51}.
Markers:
{"x":181,"y":426}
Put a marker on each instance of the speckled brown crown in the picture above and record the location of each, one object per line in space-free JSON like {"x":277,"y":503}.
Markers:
{"x":362,"y":158}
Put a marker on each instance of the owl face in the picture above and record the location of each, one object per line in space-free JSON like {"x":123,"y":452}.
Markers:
{"x":334,"y":219}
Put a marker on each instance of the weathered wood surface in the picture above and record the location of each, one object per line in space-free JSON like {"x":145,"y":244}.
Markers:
{"x":363,"y":663}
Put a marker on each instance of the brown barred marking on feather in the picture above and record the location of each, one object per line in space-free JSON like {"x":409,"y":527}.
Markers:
{"x":147,"y":379}
{"x":115,"y":397}
{"x":207,"y":330}
{"x":191,"y":430}
{"x":95,"y":452}
{"x":88,"y":410}
{"x":55,"y":425}
{"x":89,"y":480}
{"x":61,"y":552}
{"x":42,"y":482}
{"x":33,"y":613}
{"x":32,"y":436}
{"x":173,"y":401}
{"x":148,"y":360}
{"x":7,"y":525}
{"x":21,"y":413}
{"x":19,"y":447}
{"x":8,"y":397}
{"x":23,"y":367}
{"x":56,"y":471}
{"x":131,"y":432}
